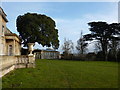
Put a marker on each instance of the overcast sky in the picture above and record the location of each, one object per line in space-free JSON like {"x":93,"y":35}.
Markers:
{"x":70,"y":17}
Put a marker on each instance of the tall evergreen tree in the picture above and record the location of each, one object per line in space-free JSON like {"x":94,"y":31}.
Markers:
{"x":104,"y":33}
{"x":34,"y":27}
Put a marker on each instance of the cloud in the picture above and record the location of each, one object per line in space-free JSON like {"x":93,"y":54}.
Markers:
{"x":71,"y":28}
{"x":110,"y":18}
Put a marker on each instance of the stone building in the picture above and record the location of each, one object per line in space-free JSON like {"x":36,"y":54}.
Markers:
{"x":46,"y":54}
{"x":10,"y":43}
{"x":10,"y":49}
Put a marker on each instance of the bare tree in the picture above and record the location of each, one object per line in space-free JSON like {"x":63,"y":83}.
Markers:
{"x":81,"y":45}
{"x":68,"y":46}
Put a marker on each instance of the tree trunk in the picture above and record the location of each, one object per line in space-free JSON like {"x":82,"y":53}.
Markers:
{"x":104,"y":49}
{"x":106,"y":56}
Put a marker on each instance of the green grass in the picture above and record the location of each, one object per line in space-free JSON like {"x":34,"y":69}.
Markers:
{"x":64,"y":74}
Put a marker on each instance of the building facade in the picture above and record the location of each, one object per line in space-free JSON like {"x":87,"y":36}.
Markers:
{"x":10,"y":49}
{"x":46,"y":54}
{"x":10,"y":43}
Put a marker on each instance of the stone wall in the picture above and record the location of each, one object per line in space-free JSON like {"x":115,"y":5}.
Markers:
{"x":9,"y":63}
{"x":25,"y":61}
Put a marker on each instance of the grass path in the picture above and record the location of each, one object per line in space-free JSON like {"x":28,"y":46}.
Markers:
{"x":64,"y":74}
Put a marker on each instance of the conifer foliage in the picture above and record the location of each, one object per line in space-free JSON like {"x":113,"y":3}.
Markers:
{"x":34,"y":27}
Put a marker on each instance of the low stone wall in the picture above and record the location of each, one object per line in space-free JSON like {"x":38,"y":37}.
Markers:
{"x":9,"y":63}
{"x":25,"y":61}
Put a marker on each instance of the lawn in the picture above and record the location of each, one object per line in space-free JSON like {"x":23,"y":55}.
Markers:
{"x":64,"y":74}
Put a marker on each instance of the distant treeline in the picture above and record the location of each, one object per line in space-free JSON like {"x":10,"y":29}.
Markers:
{"x":106,"y":40}
{"x":90,"y":57}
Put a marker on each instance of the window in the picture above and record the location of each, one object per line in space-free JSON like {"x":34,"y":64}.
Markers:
{"x":2,"y":28}
{"x":10,"y":50}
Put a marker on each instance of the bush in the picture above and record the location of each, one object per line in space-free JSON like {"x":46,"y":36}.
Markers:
{"x":100,"y":56}
{"x":67,"y":56}
{"x":91,"y":56}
